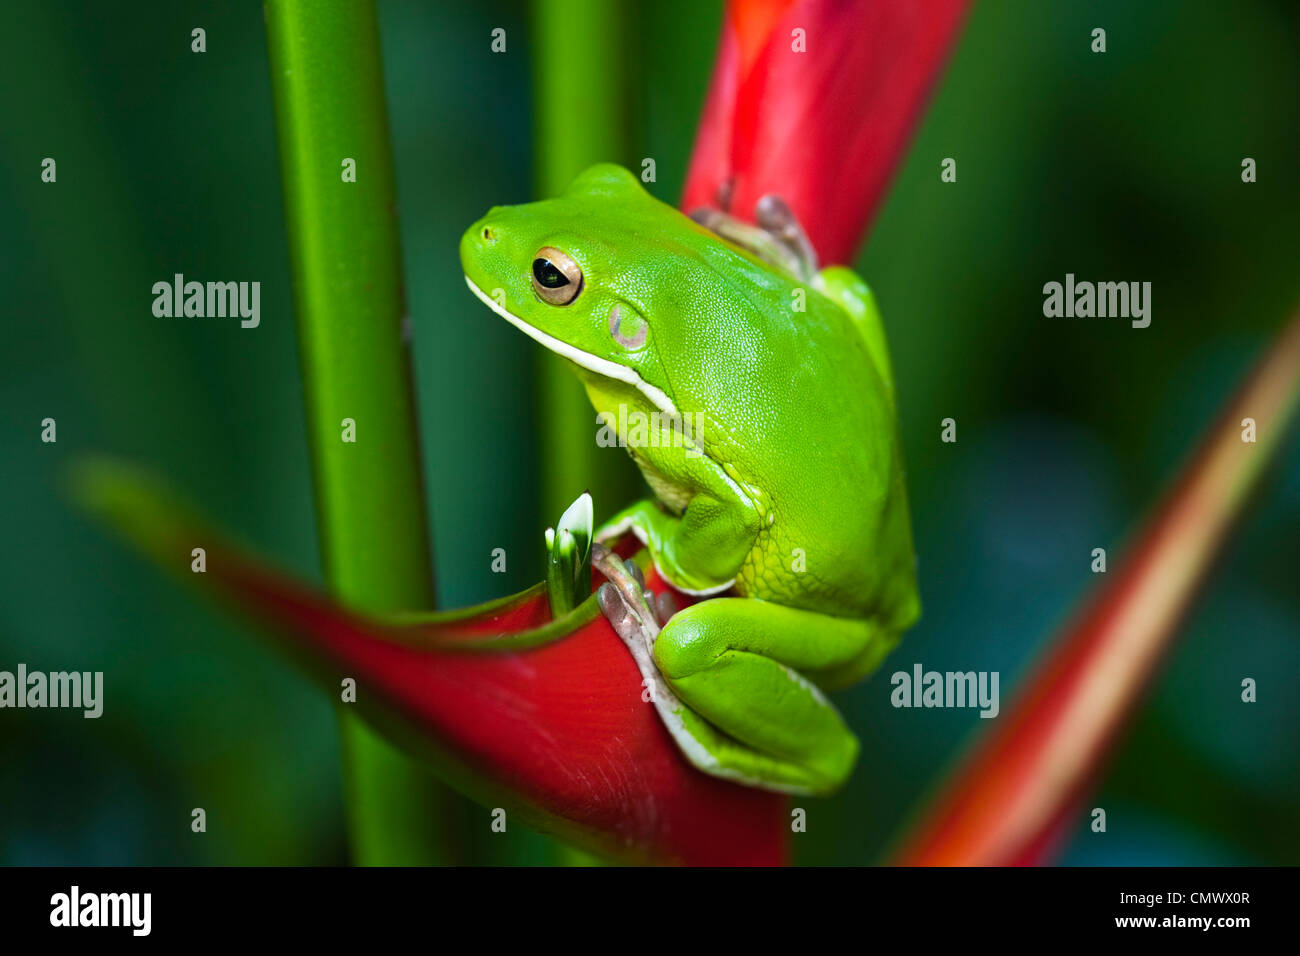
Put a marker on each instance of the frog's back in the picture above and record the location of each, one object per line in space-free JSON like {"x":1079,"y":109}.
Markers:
{"x":811,"y":421}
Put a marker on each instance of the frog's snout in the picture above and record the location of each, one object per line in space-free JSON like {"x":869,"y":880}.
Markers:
{"x":485,"y":231}
{"x":488,"y":228}
{"x":478,"y":240}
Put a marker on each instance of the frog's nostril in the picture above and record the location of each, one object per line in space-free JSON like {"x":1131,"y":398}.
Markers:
{"x":489,"y":234}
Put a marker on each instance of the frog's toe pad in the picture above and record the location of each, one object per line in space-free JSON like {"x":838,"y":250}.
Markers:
{"x":616,"y":611}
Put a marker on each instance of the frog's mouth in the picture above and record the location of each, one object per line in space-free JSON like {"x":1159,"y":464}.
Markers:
{"x":593,"y":363}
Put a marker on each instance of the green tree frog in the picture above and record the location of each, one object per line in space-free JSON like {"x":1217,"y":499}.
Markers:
{"x":784,"y":497}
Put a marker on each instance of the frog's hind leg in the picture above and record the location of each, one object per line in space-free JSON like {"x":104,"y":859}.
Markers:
{"x":627,"y":605}
{"x":755,"y":671}
{"x":706,"y":747}
{"x":736,"y":681}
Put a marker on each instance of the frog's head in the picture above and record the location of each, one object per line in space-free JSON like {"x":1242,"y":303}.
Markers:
{"x":583,"y":275}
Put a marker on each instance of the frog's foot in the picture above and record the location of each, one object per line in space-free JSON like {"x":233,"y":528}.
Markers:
{"x":624,"y":598}
{"x":778,"y":239}
{"x":627,"y":604}
{"x":776,"y":216}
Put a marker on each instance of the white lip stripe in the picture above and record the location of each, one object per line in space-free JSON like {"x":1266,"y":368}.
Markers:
{"x":592,"y":362}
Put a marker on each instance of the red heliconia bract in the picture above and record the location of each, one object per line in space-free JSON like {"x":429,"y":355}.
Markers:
{"x":814,"y":100}
{"x":1013,"y":798}
{"x":560,"y":731}
{"x":554,"y":727}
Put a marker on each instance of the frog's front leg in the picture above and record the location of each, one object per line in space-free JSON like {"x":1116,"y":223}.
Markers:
{"x":700,"y":545}
{"x":696,"y":553}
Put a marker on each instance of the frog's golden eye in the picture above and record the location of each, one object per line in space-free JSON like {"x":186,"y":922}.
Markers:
{"x":556,"y":277}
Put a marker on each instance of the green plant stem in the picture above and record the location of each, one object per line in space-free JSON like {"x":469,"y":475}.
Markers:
{"x":327,"y":78}
{"x":591,"y":86}
{"x":580,"y":107}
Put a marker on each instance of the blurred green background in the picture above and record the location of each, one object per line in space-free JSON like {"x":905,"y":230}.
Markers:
{"x":1122,"y":166}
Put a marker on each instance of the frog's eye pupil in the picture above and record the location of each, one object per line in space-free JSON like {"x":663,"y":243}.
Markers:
{"x":557,"y":279}
{"x":547,"y":275}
